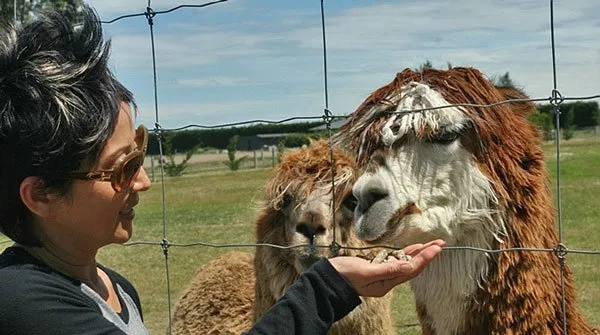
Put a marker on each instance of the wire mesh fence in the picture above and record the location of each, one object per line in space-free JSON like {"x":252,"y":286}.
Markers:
{"x":555,"y":99}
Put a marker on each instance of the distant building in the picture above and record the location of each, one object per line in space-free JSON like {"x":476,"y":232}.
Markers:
{"x":259,"y":142}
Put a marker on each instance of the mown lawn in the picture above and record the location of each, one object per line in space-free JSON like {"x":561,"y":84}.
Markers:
{"x":218,"y":207}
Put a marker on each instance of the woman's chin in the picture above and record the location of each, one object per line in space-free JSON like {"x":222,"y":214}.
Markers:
{"x":123,"y":232}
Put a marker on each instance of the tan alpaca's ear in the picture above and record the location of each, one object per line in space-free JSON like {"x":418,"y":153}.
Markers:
{"x":34,"y":196}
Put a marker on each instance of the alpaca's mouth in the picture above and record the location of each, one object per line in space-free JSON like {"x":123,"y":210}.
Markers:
{"x":371,"y":227}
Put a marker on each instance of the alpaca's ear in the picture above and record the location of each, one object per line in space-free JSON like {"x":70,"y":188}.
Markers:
{"x":33,"y":194}
{"x":524,"y":108}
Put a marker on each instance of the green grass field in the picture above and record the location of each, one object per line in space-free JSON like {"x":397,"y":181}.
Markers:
{"x":218,"y":207}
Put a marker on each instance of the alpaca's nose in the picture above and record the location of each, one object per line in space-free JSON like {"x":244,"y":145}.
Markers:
{"x":311,"y":225}
{"x":368,"y":190}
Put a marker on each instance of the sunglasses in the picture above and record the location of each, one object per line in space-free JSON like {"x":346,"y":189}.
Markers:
{"x":126,"y":170}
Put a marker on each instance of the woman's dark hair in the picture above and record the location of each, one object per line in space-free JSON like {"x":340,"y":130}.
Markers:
{"x":59,"y":103}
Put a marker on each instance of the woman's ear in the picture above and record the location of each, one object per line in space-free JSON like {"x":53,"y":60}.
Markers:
{"x":33,"y":194}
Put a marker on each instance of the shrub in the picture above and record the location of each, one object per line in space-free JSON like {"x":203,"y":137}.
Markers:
{"x":544,"y":122}
{"x":233,"y":164}
{"x":171,"y":168}
{"x":295,"y":140}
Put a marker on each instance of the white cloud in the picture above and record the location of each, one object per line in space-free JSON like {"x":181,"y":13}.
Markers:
{"x":212,"y":81}
{"x":254,"y":55}
{"x":213,"y":113}
{"x":181,"y":50}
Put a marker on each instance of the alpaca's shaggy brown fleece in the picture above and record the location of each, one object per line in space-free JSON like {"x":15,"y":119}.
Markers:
{"x":522,"y":291}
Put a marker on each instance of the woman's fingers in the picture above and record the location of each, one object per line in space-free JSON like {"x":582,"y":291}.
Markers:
{"x":408,"y":270}
{"x":416,"y":248}
{"x":424,"y":257}
{"x":413,"y":249}
{"x":385,"y":276}
{"x":421,"y":256}
{"x":376,"y":279}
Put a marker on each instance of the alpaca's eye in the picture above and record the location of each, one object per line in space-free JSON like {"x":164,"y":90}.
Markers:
{"x":286,"y":201}
{"x":350,"y":202}
{"x":443,"y":137}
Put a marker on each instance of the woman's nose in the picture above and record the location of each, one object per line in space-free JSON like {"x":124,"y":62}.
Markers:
{"x":142,"y":182}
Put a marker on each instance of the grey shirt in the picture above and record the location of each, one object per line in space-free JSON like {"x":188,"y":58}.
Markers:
{"x":134,"y":324}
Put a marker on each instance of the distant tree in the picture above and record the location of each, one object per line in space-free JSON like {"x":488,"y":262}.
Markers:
{"x":295,"y":140}
{"x":26,"y":10}
{"x":233,"y":164}
{"x":504,"y":81}
{"x":569,"y":126}
{"x":171,"y":168}
{"x":585,"y":113}
{"x":544,"y":122}
{"x":280,"y":150}
{"x":425,"y":65}
{"x":429,"y":65}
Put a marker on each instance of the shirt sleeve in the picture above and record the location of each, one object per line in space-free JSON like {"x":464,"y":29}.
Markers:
{"x":320,"y":297}
{"x":41,"y":303}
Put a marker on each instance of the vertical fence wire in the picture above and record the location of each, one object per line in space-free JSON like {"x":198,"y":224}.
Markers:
{"x":556,"y":101}
{"x":327,"y":117}
{"x":150,"y":14}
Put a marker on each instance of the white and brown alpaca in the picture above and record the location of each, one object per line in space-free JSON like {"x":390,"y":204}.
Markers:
{"x":473,"y":177}
{"x":298,"y":211}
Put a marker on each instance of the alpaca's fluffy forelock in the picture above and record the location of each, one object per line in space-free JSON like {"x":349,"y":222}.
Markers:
{"x":419,"y":96}
{"x":305,"y":171}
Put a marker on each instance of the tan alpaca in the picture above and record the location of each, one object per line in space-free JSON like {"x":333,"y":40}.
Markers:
{"x":219,"y":300}
{"x":474,"y":177}
{"x":296,"y":201}
{"x":297,"y":210}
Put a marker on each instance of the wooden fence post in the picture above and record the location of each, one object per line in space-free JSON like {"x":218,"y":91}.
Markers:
{"x":272,"y":156}
{"x":152,"y":166}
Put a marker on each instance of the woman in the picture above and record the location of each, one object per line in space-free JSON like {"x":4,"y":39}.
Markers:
{"x":70,"y":174}
{"x":69,"y":181}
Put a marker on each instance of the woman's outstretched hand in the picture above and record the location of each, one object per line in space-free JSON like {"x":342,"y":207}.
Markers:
{"x":375,"y":280}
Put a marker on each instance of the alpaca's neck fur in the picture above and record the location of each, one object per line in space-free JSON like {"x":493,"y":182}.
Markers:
{"x":448,"y":287}
{"x":510,"y":293}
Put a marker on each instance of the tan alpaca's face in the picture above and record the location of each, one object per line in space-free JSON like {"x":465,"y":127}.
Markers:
{"x":423,"y":182}
{"x":300,"y":199}
{"x":309,"y":222}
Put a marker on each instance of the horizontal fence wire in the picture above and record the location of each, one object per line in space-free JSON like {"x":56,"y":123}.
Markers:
{"x":403,"y":111}
{"x":555,"y":99}
{"x":370,"y":247}
{"x":295,"y":246}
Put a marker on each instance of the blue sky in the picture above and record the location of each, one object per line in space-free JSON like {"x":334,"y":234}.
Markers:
{"x":262,"y":59}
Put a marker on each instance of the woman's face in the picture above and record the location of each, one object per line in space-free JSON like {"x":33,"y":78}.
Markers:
{"x":94,"y":214}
